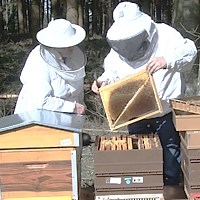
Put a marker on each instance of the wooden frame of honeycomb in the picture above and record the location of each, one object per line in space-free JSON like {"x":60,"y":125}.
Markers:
{"x":130,"y":99}
{"x":123,"y":142}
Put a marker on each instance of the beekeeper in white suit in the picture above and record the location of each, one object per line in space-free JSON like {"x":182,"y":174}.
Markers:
{"x":138,"y":42}
{"x":53,"y":75}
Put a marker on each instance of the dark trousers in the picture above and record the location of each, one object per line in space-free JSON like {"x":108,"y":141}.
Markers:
{"x":170,"y":142}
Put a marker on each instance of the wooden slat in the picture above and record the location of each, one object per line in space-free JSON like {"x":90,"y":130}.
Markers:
{"x":156,"y":142}
{"x":119,"y":143}
{"x":16,"y":195}
{"x":31,"y":155}
{"x":125,"y":142}
{"x":140,"y":143}
{"x":102,"y":147}
{"x":53,"y":177}
{"x":146,"y":143}
{"x":113,"y":145}
{"x":36,"y":137}
{"x":130,"y":144}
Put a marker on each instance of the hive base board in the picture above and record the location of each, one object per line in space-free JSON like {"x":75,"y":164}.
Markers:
{"x":131,"y":197}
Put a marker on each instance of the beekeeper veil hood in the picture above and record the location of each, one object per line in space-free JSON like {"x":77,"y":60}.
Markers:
{"x":133,"y":34}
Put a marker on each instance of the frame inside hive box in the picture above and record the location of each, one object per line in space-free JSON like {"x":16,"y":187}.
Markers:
{"x":130,"y":99}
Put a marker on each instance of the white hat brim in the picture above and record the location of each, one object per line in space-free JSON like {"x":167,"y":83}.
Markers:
{"x":50,"y":39}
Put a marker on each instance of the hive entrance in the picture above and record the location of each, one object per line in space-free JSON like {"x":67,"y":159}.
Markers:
{"x":128,"y":142}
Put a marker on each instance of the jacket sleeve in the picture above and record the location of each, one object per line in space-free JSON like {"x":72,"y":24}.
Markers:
{"x":37,"y":90}
{"x":180,"y":53}
{"x":110,"y":74}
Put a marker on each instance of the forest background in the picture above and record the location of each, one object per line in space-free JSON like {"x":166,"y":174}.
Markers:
{"x":20,"y":20}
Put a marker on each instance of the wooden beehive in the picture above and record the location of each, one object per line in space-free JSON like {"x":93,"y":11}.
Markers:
{"x":186,"y":118}
{"x":187,"y":104}
{"x":130,"y":99}
{"x":125,"y":165}
{"x":190,"y":161}
{"x":40,"y":156}
{"x":186,"y":113}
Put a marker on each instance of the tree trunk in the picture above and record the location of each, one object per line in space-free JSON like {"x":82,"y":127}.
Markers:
{"x":1,"y":21}
{"x":72,"y":11}
{"x":20,"y":16}
{"x":186,"y":19}
{"x":80,"y":14}
{"x":95,"y":7}
{"x":58,"y":7}
{"x":145,"y":6}
{"x":35,"y":19}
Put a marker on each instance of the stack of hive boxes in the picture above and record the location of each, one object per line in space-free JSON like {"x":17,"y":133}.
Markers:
{"x":186,"y":117}
{"x":128,"y":167}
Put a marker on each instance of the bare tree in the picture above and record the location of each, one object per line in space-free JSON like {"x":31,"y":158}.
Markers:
{"x":57,"y":8}
{"x":35,"y":18}
{"x":72,"y":11}
{"x":1,"y":20}
{"x":186,"y":19}
{"x":20,"y":10}
{"x":186,"y":16}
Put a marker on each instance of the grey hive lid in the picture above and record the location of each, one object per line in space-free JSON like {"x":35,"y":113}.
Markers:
{"x":66,"y":121}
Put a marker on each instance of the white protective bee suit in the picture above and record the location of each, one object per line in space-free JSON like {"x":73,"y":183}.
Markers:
{"x":50,"y":84}
{"x":53,"y":75}
{"x":135,"y":39}
{"x":127,"y":55}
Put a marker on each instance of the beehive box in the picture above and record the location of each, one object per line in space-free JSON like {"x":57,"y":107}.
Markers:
{"x":40,"y":154}
{"x":186,"y":113}
{"x":125,"y":101}
{"x":125,"y":165}
{"x":187,"y":104}
{"x":185,"y":121}
{"x":190,"y":163}
{"x":190,"y":139}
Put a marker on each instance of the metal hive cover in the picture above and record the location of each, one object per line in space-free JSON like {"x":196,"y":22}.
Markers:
{"x":59,"y":120}
{"x":130,"y":99}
